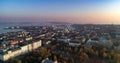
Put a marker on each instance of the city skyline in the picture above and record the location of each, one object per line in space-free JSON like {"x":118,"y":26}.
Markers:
{"x":73,"y":11}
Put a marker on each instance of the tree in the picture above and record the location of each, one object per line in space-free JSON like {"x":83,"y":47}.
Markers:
{"x":19,"y":61}
{"x":44,"y":53}
{"x":104,"y":49}
{"x":84,"y":58}
{"x":76,"y":49}
{"x":72,"y":60}
{"x":96,"y":53}
{"x":13,"y":60}
{"x":39,"y":59}
{"x":55,"y":58}
{"x":64,"y":61}
{"x":105,"y":55}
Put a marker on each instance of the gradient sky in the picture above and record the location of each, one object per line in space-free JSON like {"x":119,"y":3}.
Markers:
{"x":73,"y":11}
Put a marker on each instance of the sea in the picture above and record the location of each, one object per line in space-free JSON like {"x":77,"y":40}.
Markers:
{"x":9,"y":24}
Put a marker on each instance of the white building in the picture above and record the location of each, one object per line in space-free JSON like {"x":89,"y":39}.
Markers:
{"x":74,"y":43}
{"x":47,"y":60}
{"x":117,"y":34}
{"x":101,"y":41}
{"x":22,"y":50}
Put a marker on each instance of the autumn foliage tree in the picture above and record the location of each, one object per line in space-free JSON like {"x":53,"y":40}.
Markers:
{"x":44,"y":53}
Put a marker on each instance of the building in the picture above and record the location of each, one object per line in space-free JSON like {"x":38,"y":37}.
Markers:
{"x":4,"y":56}
{"x":74,"y":43}
{"x":117,"y":35}
{"x":99,"y":41}
{"x":47,"y":60}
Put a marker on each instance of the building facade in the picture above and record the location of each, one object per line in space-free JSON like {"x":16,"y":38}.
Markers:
{"x":22,"y":50}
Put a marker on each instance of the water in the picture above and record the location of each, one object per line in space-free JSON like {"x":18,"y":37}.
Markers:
{"x":8,"y":24}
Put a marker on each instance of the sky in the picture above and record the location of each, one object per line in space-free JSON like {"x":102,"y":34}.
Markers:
{"x":72,"y":11}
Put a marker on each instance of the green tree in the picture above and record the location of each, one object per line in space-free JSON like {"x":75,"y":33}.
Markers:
{"x":19,"y":61}
{"x":72,"y":60}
